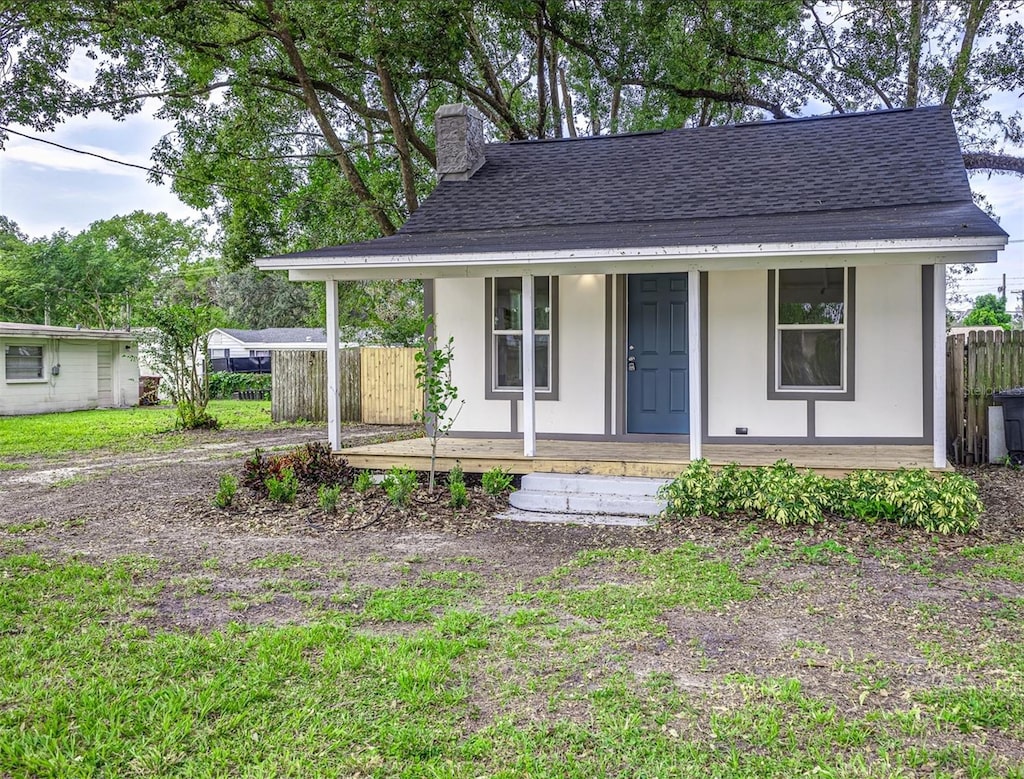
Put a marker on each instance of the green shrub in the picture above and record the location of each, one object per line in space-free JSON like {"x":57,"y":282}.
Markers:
{"x":223,"y":383}
{"x":693,"y":493}
{"x":363,"y":481}
{"x":496,"y":481}
{"x":456,"y":475}
{"x":458,"y":496}
{"x":913,"y":498}
{"x":226,"y":489}
{"x":399,"y":484}
{"x":283,"y":489}
{"x":327,"y":497}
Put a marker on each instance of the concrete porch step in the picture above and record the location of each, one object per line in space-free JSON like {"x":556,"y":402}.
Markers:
{"x":561,"y":493}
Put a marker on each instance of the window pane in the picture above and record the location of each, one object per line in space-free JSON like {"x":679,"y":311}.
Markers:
{"x":24,"y":362}
{"x":508,"y":352}
{"x":541,"y":304}
{"x":811,"y":296}
{"x":811,"y":358}
{"x":509,"y":355}
{"x":508,"y":304}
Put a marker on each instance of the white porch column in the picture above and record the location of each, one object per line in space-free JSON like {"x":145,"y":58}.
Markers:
{"x":529,"y":380}
{"x":333,"y":367}
{"x":939,"y":367}
{"x":696,"y":365}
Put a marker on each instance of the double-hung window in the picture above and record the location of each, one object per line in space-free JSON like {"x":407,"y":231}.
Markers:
{"x":23,"y":362}
{"x":812,"y":320}
{"x":506,"y":334}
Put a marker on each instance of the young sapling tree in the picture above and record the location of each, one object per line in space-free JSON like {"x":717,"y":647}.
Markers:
{"x":441,"y":404}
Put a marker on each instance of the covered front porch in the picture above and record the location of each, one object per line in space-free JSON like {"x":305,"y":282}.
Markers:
{"x":626,"y":458}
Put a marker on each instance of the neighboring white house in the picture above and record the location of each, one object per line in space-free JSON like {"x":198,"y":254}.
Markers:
{"x":66,"y":369}
{"x":248,"y":351}
{"x":774,"y":283}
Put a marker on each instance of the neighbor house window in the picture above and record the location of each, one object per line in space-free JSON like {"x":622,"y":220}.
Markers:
{"x":23,"y":363}
{"x":812,"y":320}
{"x":505,"y":312}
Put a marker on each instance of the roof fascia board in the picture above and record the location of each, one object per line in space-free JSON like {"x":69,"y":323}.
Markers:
{"x":69,"y":334}
{"x":513,"y":265}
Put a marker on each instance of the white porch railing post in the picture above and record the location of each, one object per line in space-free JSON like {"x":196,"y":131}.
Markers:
{"x":529,"y":379}
{"x":696,"y":363}
{"x":333,"y":367}
{"x":939,"y":367}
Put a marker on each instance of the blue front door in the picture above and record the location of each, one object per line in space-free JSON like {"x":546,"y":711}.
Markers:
{"x":657,"y":354}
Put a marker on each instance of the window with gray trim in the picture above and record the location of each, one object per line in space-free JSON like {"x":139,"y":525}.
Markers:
{"x":810,"y":334}
{"x":505,"y":336}
{"x":23,"y":362}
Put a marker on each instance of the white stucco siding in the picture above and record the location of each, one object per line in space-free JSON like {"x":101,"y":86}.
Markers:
{"x":459,"y":307}
{"x":582,"y":380}
{"x":582,"y":374}
{"x":888,"y":367}
{"x":737,"y":362}
{"x":75,"y":386}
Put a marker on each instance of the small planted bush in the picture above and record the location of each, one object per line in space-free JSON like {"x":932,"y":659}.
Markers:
{"x":399,"y":484}
{"x":458,"y":495}
{"x":283,"y":489}
{"x":496,"y":481}
{"x":914,"y":498}
{"x":226,"y":489}
{"x":363,"y":481}
{"x":327,"y":496}
{"x":311,"y":465}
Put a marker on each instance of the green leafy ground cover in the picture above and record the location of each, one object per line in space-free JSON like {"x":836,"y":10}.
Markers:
{"x":391,"y":665}
{"x":118,"y":430}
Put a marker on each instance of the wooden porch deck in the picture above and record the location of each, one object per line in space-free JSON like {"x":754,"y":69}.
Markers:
{"x":621,"y":458}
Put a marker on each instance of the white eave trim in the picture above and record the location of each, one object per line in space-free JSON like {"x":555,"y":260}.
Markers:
{"x":702,"y":257}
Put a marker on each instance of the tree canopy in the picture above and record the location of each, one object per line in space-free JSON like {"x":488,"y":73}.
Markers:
{"x":106,"y":276}
{"x":989,"y":311}
{"x":301,"y":123}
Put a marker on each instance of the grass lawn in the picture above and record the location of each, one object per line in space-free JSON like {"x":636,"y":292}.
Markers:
{"x":130,"y":429}
{"x":445,"y":671}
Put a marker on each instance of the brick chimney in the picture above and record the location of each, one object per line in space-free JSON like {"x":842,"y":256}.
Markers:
{"x":459,"y":134}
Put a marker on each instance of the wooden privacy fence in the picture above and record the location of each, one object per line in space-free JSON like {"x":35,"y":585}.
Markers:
{"x":377,"y":385}
{"x":978,"y":364}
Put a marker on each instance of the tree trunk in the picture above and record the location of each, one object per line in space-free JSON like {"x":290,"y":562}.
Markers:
{"x":976,"y":10}
{"x":556,"y":108}
{"x":542,"y":96}
{"x":312,"y":100}
{"x":387,"y":91}
{"x":914,"y":52}
{"x":567,"y":101}
{"x":613,"y":119}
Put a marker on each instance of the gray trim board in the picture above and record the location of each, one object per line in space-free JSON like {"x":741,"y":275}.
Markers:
{"x":608,"y":354}
{"x":850,"y":331}
{"x":501,"y":435}
{"x":827,"y":441}
{"x":928,"y":351}
{"x":620,"y":349}
{"x":704,"y":356}
{"x":493,"y":394}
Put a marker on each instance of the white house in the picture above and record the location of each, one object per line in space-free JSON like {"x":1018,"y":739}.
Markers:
{"x":758,"y":285}
{"x":66,"y":369}
{"x":250,"y":350}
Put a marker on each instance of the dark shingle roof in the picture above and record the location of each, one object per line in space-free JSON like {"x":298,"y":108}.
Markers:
{"x":280,"y":335}
{"x":872,"y":176}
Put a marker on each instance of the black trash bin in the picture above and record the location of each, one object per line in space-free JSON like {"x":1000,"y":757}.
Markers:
{"x":1013,"y":422}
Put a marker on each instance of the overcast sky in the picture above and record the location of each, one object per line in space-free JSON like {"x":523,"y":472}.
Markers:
{"x":44,"y":188}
